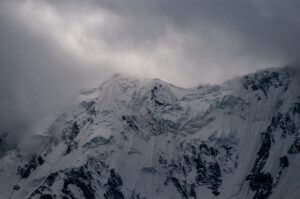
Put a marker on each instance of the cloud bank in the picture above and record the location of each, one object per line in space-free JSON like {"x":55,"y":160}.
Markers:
{"x":50,"y":48}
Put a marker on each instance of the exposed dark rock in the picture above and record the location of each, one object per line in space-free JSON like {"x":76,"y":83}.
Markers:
{"x":84,"y":178}
{"x":201,"y":158}
{"x":87,"y":105}
{"x":33,"y":163}
{"x":263,"y":152}
{"x":161,"y":126}
{"x":70,"y":133}
{"x":92,"y":111}
{"x":41,"y":192}
{"x":81,"y":178}
{"x":135,"y":195}
{"x":71,"y":147}
{"x":131,"y":121}
{"x":16,"y":187}
{"x":296,"y":108}
{"x":113,"y":186}
{"x":295,"y":147}
{"x":193,"y":192}
{"x":46,"y":196}
{"x":261,"y":183}
{"x":51,"y":178}
{"x":40,"y":160}
{"x":97,"y":141}
{"x":263,"y":81}
{"x":182,"y":189}
{"x":154,"y":97}
{"x":284,"y":122}
{"x":69,"y":136}
{"x":284,"y":162}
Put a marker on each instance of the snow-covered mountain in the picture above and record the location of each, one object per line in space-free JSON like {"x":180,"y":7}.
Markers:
{"x":139,"y":138}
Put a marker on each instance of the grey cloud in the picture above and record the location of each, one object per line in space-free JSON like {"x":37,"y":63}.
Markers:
{"x":36,"y":77}
{"x":231,"y":37}
{"x":184,"y":42}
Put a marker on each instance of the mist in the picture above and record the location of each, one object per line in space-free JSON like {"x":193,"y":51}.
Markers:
{"x":51,"y":49}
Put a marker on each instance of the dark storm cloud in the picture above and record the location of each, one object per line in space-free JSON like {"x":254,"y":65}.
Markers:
{"x":51,"y":48}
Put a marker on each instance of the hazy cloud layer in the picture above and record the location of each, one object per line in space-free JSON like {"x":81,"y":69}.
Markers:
{"x":52,"y":48}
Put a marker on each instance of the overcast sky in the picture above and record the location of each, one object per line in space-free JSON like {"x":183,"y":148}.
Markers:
{"x":49,"y":49}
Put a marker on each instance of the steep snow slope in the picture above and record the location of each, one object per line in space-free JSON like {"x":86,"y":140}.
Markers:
{"x":134,"y":138}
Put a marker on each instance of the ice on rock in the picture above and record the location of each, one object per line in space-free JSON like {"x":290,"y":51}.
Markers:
{"x":144,"y":138}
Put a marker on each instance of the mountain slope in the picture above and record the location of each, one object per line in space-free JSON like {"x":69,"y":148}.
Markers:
{"x":136,"y":138}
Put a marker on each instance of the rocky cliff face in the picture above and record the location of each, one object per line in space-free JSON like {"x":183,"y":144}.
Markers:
{"x":132,"y":138}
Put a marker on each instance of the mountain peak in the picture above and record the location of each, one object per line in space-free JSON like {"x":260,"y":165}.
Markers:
{"x":144,"y":138}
